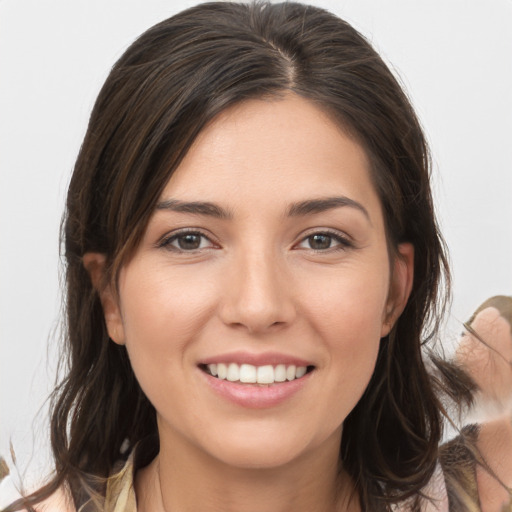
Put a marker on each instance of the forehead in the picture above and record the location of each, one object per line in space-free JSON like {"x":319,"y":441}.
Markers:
{"x":273,"y":151}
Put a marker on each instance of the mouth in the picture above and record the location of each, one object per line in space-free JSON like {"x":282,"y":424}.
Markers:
{"x":266,"y":375}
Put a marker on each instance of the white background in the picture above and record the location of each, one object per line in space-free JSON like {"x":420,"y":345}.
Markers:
{"x":454,"y":57}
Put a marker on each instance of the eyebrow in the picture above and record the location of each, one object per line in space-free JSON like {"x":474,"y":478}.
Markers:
{"x":313,"y":206}
{"x":195,"y":207}
{"x":302,"y":208}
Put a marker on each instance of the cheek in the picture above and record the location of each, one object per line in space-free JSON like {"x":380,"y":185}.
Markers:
{"x":347,"y":318}
{"x":352,"y":333}
{"x":162,"y":313}
{"x":158,"y":304}
{"x":348,"y":305}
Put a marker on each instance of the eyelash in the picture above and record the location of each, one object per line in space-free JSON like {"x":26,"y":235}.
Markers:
{"x":343,"y":242}
{"x":166,"y":242}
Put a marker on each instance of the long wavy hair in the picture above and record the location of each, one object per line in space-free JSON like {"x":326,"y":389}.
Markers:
{"x":172,"y":81}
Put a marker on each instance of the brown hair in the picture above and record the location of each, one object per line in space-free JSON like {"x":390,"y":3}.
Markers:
{"x":167,"y":86}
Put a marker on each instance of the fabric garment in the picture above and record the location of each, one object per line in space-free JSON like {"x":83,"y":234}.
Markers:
{"x":120,"y":493}
{"x":458,"y":460}
{"x":121,"y":497}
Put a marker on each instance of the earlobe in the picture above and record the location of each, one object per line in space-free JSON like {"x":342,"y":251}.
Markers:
{"x":400,"y":286}
{"x":94,"y":263}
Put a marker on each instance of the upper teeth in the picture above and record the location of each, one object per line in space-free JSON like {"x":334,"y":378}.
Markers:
{"x":248,"y":373}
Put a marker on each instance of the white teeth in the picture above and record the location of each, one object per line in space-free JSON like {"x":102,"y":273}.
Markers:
{"x":300,"y":372}
{"x":280,"y":373}
{"x":222,"y":371}
{"x":233,"y":372}
{"x":248,"y":373}
{"x":265,"y":375}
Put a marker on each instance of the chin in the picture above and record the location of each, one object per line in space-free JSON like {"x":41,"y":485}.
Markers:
{"x":258,"y":455}
{"x":265,"y":446}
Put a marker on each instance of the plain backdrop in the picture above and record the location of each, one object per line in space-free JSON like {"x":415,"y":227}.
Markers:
{"x":454,"y":58}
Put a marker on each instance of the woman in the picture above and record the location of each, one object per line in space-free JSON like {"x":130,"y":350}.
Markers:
{"x":252,"y":258}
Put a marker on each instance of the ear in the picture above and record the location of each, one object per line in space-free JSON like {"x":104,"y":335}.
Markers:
{"x":94,"y":263}
{"x":402,"y":276}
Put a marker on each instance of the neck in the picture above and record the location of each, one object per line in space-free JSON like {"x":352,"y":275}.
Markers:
{"x":184,"y":479}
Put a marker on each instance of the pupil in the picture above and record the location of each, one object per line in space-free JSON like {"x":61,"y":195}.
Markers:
{"x":320,"y":241}
{"x":189,"y":241}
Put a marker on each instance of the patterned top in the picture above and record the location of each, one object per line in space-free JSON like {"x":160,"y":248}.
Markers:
{"x":453,"y":486}
{"x":459,"y":458}
{"x":120,"y":494}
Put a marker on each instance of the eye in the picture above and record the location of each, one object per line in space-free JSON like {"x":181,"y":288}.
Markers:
{"x":323,"y":241}
{"x":187,"y":241}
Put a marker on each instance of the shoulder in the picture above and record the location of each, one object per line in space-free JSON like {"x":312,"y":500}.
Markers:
{"x":120,"y":494}
{"x":57,"y":502}
{"x":10,"y":492}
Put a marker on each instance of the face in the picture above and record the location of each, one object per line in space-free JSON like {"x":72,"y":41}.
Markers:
{"x":253,"y":309}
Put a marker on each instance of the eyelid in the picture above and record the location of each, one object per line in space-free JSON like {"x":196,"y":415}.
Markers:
{"x":165,"y":241}
{"x":344,"y":240}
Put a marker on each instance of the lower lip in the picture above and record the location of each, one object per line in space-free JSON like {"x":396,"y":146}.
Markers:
{"x":254,"y":396}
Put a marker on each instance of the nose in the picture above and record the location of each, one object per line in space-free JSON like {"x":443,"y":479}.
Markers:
{"x":257,"y":296}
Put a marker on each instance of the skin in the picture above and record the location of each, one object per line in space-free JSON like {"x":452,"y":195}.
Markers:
{"x":489,"y":364}
{"x":256,"y":284}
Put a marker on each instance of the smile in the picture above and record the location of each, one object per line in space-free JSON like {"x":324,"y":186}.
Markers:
{"x":251,"y":374}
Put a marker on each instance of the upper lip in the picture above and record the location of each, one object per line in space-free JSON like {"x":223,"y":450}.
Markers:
{"x":266,"y":358}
